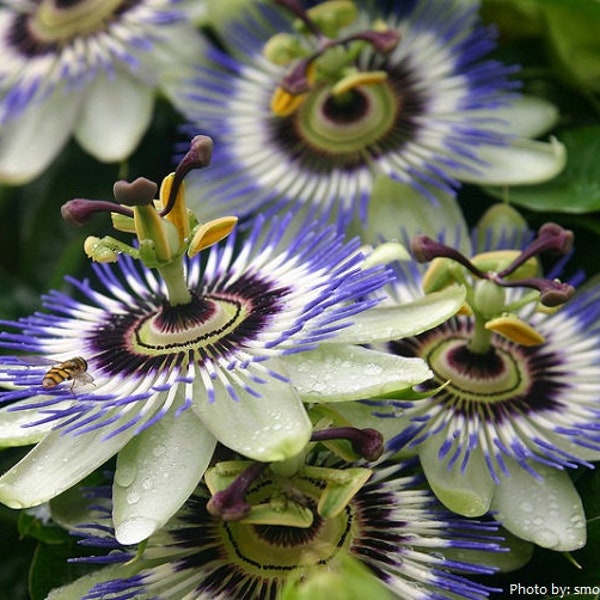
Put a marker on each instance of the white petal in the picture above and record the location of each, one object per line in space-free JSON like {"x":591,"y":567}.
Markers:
{"x":156,"y":473}
{"x":523,"y":162}
{"x":29,"y":143}
{"x":547,"y":512}
{"x":397,"y":210}
{"x":55,"y":464}
{"x":385,"y":323}
{"x":339,"y":372}
{"x":116,"y":113}
{"x":270,"y":428}
{"x":80,"y":587}
{"x":526,"y":116}
{"x":467,"y":493}
{"x":13,"y":430}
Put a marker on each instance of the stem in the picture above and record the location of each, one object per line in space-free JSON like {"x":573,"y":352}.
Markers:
{"x":481,"y":340}
{"x":174,"y":277}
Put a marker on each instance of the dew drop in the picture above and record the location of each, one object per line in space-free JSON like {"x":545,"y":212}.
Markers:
{"x":546,"y":538}
{"x":148,"y":483}
{"x":133,"y":498}
{"x":372,"y":369}
{"x":125,"y":474}
{"x":158,"y":450}
{"x":526,"y":506}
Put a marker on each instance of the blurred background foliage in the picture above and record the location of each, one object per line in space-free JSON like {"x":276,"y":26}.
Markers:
{"x":556,"y":42}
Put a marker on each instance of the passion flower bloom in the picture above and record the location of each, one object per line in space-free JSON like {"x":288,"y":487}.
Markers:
{"x":388,"y":533}
{"x":310,"y":106}
{"x":85,"y":68}
{"x":186,"y":350}
{"x":520,"y":396}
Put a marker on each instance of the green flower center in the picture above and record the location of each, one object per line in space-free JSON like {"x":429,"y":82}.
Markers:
{"x":495,"y":376}
{"x":201,"y":323}
{"x":59,"y":21}
{"x":347,"y":123}
{"x":268,"y":551}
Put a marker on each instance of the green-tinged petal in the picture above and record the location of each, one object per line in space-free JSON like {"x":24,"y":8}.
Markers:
{"x":339,"y":372}
{"x":467,"y":493}
{"x":29,"y":143}
{"x":13,"y":431}
{"x":526,"y":116}
{"x":79,"y":588}
{"x":268,"y":428}
{"x":518,"y":555}
{"x":523,"y":162}
{"x":546,"y":511}
{"x":115,"y":114}
{"x":156,"y":473}
{"x":384,"y":323}
{"x":57,"y":463}
{"x":397,"y":209}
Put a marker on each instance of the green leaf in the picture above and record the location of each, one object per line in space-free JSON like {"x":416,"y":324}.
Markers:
{"x":575,"y":190}
{"x":50,"y":568}
{"x":30,"y":524}
{"x":575,"y":48}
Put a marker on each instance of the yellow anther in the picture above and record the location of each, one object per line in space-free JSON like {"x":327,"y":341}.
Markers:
{"x":284,"y":104}
{"x":179,"y":214}
{"x":516,"y":330}
{"x":210,"y":233}
{"x":354,"y":80}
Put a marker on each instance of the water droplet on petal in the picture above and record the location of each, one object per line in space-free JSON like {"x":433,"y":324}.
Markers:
{"x":546,"y":538}
{"x":125,"y":474}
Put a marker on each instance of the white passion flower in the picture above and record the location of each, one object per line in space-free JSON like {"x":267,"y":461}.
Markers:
{"x":329,"y":526}
{"x":519,"y":367}
{"x":86,"y":68}
{"x":220,"y":346}
{"x":309,"y":106}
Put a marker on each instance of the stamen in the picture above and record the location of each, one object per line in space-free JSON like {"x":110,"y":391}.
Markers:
{"x":79,"y":211}
{"x":368,"y":443}
{"x":197,"y":157}
{"x":230,"y":504}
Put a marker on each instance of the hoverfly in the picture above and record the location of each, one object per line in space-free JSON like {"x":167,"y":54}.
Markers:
{"x":73,"y":369}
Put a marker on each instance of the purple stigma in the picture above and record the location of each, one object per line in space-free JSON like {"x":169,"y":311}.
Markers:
{"x":230,"y":504}
{"x":368,"y":442}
